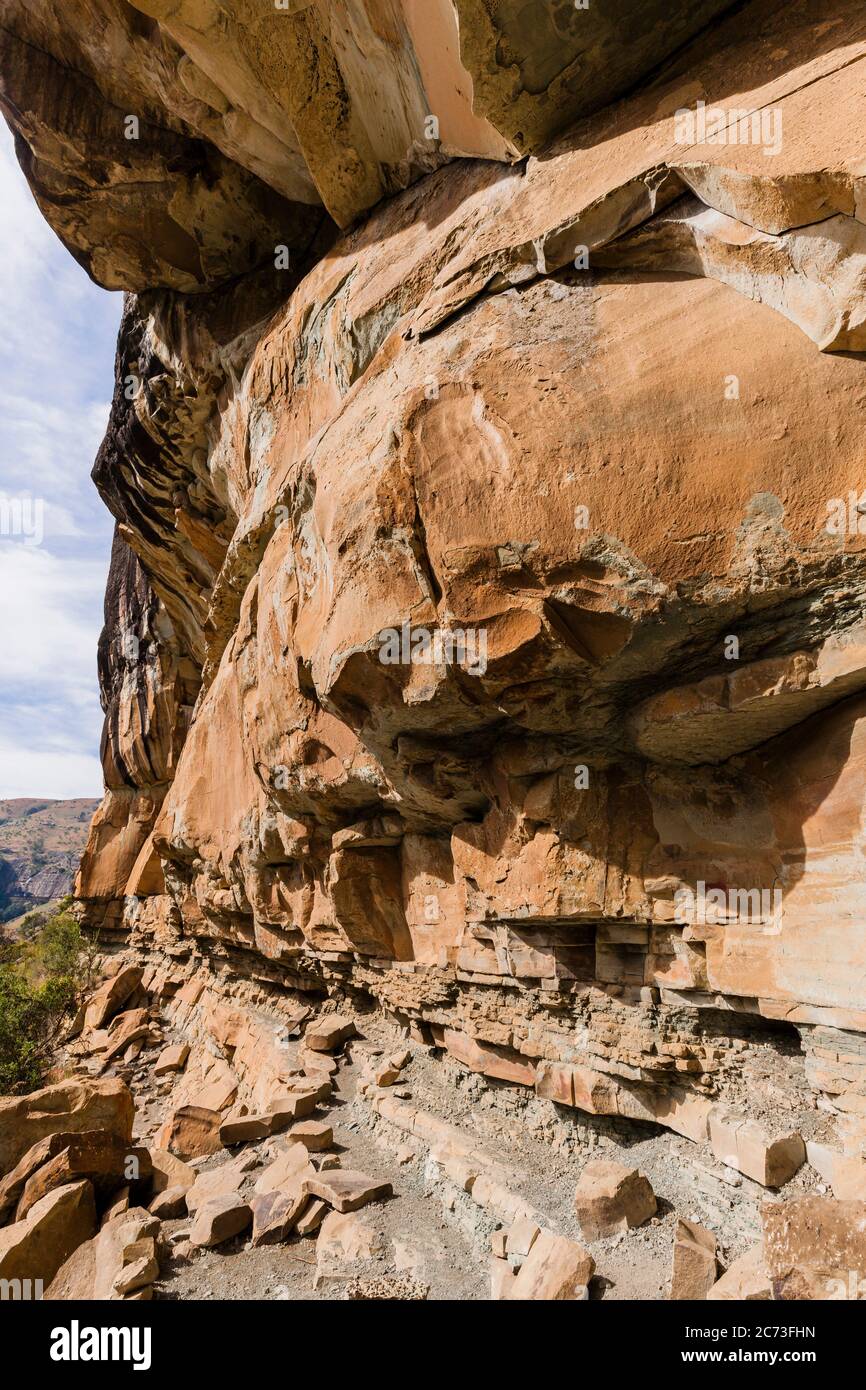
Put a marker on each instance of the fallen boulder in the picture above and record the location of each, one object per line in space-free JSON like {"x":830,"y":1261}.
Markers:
{"x":276,"y":1213}
{"x":130,"y":1027}
{"x":329,"y":1032}
{"x":122,"y":1261}
{"x":220,"y":1219}
{"x":111,"y":996}
{"x":12,"y":1186}
{"x":519,"y":1240}
{"x":172,"y":1058}
{"x":224,"y":1181}
{"x":170,"y":1204}
{"x":695,"y":1266}
{"x":36,"y":1247}
{"x":107,"y":1161}
{"x":169,"y":1171}
{"x":311,"y":1219}
{"x":193,"y":1131}
{"x":346,"y":1190}
{"x":742,"y":1144}
{"x":386,"y":1074}
{"x":611,"y":1198}
{"x":294,"y":1105}
{"x":66,"y":1108}
{"x":289,"y":1165}
{"x":243,"y":1129}
{"x":313,"y":1134}
{"x":815,"y":1248}
{"x":555,"y":1270}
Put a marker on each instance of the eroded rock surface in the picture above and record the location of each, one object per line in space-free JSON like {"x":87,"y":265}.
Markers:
{"x":572,"y":413}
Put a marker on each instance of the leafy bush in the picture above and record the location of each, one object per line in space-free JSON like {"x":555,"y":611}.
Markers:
{"x":30,"y":1022}
{"x":42,"y":981}
{"x":59,"y":947}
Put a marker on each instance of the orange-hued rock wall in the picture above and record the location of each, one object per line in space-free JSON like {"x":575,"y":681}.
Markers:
{"x":547,"y":376}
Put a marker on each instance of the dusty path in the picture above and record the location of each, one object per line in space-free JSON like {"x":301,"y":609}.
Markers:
{"x":430,"y":1230}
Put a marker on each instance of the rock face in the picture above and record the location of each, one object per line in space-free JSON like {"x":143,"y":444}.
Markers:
{"x":485,"y":631}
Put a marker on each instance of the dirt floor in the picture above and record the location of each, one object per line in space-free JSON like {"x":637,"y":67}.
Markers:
{"x":430,"y":1235}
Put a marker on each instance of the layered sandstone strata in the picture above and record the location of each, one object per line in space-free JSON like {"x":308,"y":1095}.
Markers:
{"x":595,"y":406}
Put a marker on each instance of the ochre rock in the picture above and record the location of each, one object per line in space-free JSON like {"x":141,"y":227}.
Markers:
{"x":346,"y":1190}
{"x":226,"y":1180}
{"x":611,"y":1198}
{"x":193,"y":1131}
{"x":111,"y":996}
{"x":276,"y":1213}
{"x":219,"y":1219}
{"x":815,"y":1248}
{"x":329,"y":1032}
{"x":95,"y":1154}
{"x":120,"y":1260}
{"x":695,"y":1267}
{"x":555,"y":1270}
{"x":746,"y":1278}
{"x":171,"y":1059}
{"x":169,"y":1171}
{"x":67,"y":1108}
{"x":36,"y":1247}
{"x":487,"y":609}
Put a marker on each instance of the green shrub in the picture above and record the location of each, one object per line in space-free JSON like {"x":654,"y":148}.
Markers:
{"x":42,"y":981}
{"x":31,"y":1020}
{"x":59,"y":946}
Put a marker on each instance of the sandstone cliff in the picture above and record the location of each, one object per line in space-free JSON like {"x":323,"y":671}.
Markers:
{"x":443,"y":319}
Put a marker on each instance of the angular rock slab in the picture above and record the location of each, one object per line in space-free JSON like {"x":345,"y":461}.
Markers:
{"x":611,"y":1198}
{"x":694,"y":1264}
{"x":327,"y":1033}
{"x":192,"y":1132}
{"x":55,"y":1227}
{"x":346,"y":1190}
{"x":275,"y":1213}
{"x":219,"y":1219}
{"x":69,"y":1107}
{"x":555,"y":1270}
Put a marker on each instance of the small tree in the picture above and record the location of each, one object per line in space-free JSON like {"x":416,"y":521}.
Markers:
{"x":60,"y":947}
{"x":42,"y":982}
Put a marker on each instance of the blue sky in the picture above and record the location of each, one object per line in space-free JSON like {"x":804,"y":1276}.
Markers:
{"x":56,"y":375}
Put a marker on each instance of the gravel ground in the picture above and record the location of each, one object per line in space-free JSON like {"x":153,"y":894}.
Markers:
{"x":433,"y":1236}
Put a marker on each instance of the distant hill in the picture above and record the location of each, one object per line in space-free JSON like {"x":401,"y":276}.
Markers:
{"x":40,"y":845}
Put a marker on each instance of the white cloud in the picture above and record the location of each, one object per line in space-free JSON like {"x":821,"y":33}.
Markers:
{"x":56,"y":376}
{"x":62,"y":773}
{"x":46,"y":634}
